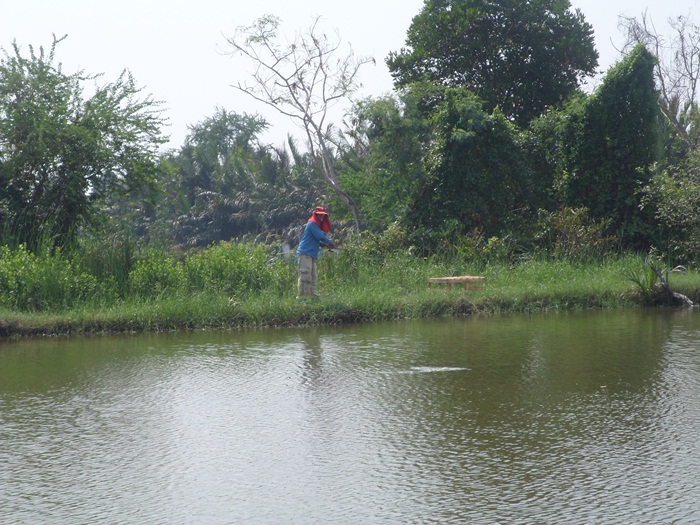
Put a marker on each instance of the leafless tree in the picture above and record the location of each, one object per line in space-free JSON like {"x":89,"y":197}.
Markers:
{"x":302,"y":79}
{"x":677,"y":70}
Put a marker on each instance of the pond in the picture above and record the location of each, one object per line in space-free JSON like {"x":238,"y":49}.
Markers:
{"x":580,"y":417}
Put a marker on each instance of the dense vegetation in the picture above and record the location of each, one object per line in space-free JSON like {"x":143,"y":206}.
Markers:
{"x":245,"y":286}
{"x":521,"y":57}
{"x":456,"y":171}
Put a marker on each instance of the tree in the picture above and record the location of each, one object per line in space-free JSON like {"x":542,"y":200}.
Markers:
{"x":218,"y":170}
{"x":675,"y":199}
{"x":475,"y":170}
{"x":225,"y":183}
{"x":383,"y":156}
{"x":519,"y":56}
{"x":609,"y":143}
{"x":303,"y":80}
{"x":62,"y":155}
{"x":219,"y":151}
{"x":674,"y":192}
{"x":677,"y":70}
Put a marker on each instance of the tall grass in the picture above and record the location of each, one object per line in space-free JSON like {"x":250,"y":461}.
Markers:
{"x":122,"y":287}
{"x":531,"y":284}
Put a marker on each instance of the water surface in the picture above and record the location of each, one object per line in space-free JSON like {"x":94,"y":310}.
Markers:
{"x":570,"y":418}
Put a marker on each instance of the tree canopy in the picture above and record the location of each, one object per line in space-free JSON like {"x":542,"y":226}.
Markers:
{"x":442,"y":163}
{"x":382,"y":160}
{"x":61,"y":154}
{"x":475,"y":169}
{"x":226,"y":184}
{"x":607,"y":144}
{"x":520,"y":56}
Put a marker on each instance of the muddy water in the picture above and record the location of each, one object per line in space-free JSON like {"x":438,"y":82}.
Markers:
{"x":565,"y":418}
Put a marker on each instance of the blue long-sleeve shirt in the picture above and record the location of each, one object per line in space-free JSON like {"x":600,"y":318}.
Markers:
{"x":312,"y":240}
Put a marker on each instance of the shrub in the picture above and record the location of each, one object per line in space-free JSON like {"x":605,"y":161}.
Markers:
{"x":234,"y":269}
{"x":31,"y":282}
{"x":155,"y":275}
{"x":569,"y":233}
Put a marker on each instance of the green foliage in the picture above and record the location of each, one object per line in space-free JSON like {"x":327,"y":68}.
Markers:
{"x":224,"y":184}
{"x":652,"y":284}
{"x":521,"y":57}
{"x":233,"y":270}
{"x":382,"y":169}
{"x":674,"y":196}
{"x":570,"y":234}
{"x":646,"y":279}
{"x":606,"y":145}
{"x":63,"y":155}
{"x":46,"y":281}
{"x":479,"y":249}
{"x":229,"y":268}
{"x":361,"y":266}
{"x":157,"y":274}
{"x":217,"y":174}
{"x":476,"y":172}
{"x":393,"y":239}
{"x":116,"y":271}
{"x":109,"y":258}
{"x":357,"y":284}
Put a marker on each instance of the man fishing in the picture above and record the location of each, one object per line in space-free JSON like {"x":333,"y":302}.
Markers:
{"x":312,"y":240}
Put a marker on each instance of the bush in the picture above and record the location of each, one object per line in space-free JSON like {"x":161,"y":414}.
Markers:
{"x":230,"y":268}
{"x":155,"y":275}
{"x":569,"y":233}
{"x":31,"y":282}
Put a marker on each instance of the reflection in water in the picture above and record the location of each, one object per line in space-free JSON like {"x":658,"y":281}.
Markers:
{"x":567,"y":418}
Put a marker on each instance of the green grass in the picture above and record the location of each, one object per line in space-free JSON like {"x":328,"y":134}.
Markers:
{"x":356,"y":286}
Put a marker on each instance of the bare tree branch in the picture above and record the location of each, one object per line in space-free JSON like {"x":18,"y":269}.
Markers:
{"x":677,"y":70}
{"x":302,"y":79}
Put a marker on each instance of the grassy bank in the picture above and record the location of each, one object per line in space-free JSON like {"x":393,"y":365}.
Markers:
{"x":230,"y":286}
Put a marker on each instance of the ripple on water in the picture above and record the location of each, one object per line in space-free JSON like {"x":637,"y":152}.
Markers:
{"x":340,"y":427}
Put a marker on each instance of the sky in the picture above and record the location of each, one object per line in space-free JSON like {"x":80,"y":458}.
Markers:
{"x":177,"y":50}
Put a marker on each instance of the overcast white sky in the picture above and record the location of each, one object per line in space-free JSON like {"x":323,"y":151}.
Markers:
{"x":174,"y":47}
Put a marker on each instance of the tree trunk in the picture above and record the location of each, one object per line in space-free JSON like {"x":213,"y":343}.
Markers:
{"x":329,"y":173}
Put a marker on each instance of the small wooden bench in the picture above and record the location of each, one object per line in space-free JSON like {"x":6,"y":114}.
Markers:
{"x":468,"y":281}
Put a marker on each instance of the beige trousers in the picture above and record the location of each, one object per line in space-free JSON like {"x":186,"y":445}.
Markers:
{"x":308,"y":277}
